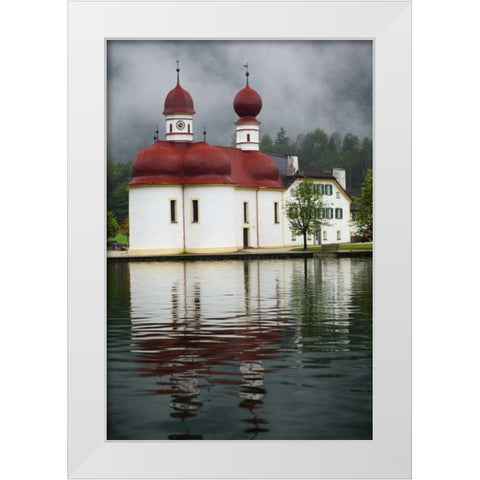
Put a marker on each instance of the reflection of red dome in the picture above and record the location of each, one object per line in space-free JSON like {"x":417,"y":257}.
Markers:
{"x":178,"y":101}
{"x":247,"y":102}
{"x":261,"y":166}
{"x":161,"y":158}
{"x":204,"y":159}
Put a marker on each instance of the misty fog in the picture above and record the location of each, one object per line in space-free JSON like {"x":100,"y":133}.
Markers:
{"x":304,"y":85}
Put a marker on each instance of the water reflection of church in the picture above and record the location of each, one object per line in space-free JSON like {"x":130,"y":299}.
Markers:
{"x":191,"y":353}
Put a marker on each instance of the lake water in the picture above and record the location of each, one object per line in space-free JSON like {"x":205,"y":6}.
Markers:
{"x":247,"y":349}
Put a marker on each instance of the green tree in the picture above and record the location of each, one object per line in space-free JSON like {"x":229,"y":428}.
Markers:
{"x":332,"y":152}
{"x":304,"y":209}
{"x":350,"y":160}
{"x":119,"y":201}
{"x":125,"y":227}
{"x":314,"y":147}
{"x":266,"y":144}
{"x":112,"y":225}
{"x":282,"y":142}
{"x":118,"y":175}
{"x":366,"y":153}
{"x":363,"y":220}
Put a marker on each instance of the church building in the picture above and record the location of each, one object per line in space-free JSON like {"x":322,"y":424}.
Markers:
{"x":192,"y":197}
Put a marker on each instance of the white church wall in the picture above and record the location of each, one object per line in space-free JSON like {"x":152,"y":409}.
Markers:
{"x":248,"y":196}
{"x":151,"y":228}
{"x":214,"y":230}
{"x":270,"y":232}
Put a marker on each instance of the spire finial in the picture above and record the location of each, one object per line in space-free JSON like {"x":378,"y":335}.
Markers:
{"x":178,"y":73}
{"x":204,"y":134}
{"x":155,"y":137}
{"x":246,"y":73}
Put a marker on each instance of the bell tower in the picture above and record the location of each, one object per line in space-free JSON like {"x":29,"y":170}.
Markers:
{"x":247,"y":105}
{"x":179,"y":113}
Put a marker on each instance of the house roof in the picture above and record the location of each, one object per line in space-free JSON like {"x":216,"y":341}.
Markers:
{"x":305,"y":168}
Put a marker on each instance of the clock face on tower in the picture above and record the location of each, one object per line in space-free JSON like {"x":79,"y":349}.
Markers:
{"x":180,"y":125}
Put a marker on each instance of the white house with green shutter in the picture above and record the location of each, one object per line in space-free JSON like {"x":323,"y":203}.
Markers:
{"x":336,"y":201}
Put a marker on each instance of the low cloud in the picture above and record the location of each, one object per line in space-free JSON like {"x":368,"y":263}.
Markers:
{"x":303,"y":84}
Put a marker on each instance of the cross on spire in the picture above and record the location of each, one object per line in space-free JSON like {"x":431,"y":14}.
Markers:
{"x":178,"y":73}
{"x":246,"y":73}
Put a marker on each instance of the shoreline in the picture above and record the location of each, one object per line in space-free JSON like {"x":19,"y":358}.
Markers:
{"x":278,"y":254}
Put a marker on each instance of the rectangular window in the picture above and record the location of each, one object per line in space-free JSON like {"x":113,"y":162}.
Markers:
{"x":339,"y":213}
{"x":328,"y":212}
{"x":338,"y":194}
{"x":173,"y":211}
{"x":339,"y":235}
{"x":325,"y":235}
{"x":328,"y":190}
{"x":294,"y":236}
{"x":195,"y":211}
{"x":245,"y":212}
{"x":275,"y":212}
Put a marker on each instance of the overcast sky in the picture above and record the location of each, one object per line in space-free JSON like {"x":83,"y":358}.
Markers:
{"x":303,"y":84}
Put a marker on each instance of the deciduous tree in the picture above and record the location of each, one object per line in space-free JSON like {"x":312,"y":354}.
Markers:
{"x":363,"y":220}
{"x":125,"y":227}
{"x":112,"y":225}
{"x":304,"y":209}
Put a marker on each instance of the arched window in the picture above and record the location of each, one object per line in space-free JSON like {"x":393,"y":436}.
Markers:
{"x":248,"y":137}
{"x":171,"y":128}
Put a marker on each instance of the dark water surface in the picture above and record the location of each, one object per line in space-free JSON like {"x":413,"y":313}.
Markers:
{"x":248,"y":349}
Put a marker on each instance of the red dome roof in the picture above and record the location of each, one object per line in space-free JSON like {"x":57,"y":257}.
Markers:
{"x":170,"y":163}
{"x":260,"y":166}
{"x":178,"y":101}
{"x":247,"y":102}
{"x":203,"y":159}
{"x":161,"y":158}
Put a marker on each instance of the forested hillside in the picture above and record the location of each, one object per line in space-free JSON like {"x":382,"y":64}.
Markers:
{"x":118,"y":175}
{"x":326,"y":152}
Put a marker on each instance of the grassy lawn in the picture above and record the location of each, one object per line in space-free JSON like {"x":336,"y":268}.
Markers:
{"x":120,"y":238}
{"x":343,"y":246}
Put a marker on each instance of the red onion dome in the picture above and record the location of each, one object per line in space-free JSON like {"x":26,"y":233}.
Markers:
{"x":247,"y":102}
{"x":261,"y":166}
{"x":161,"y":158}
{"x":204,"y":159}
{"x":178,"y":101}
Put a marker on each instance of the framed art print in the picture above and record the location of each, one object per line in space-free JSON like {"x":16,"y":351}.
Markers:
{"x":239,"y":239}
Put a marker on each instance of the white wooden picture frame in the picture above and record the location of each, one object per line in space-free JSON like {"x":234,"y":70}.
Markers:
{"x":388,"y":24}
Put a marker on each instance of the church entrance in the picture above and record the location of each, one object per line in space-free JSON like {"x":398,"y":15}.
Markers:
{"x":245,"y":238}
